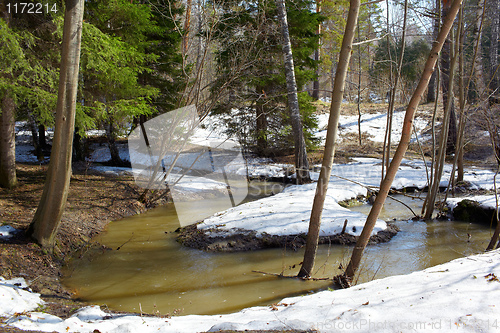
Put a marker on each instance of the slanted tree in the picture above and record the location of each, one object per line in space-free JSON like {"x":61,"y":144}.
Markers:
{"x":331,"y":137}
{"x":48,"y":215}
{"x":404,"y":142}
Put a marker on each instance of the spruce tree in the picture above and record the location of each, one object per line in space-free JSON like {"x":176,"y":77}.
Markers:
{"x":250,"y":69}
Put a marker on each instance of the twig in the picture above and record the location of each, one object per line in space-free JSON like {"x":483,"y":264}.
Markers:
{"x":292,"y":276}
{"x":119,"y":247}
{"x":389,"y":196}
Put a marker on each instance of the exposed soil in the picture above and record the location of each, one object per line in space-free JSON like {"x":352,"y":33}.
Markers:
{"x":244,"y":240}
{"x":94,"y":201}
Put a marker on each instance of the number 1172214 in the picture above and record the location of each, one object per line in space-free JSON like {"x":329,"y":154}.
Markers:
{"x":31,"y":8}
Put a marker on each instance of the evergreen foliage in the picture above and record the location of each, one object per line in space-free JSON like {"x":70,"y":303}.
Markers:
{"x":250,"y":68}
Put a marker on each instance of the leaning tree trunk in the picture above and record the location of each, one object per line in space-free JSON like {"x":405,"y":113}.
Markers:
{"x":331,"y":137}
{"x":8,"y":177}
{"x":47,"y":218}
{"x":301,"y":163}
{"x":386,"y":184}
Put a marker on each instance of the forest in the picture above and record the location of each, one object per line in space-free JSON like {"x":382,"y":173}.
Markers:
{"x":267,"y":125}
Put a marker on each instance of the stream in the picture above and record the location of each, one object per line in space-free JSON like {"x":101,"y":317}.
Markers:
{"x":148,"y":271}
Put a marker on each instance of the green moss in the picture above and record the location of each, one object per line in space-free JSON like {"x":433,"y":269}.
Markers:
{"x":471,"y":211}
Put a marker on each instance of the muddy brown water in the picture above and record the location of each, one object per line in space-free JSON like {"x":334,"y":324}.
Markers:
{"x":153,"y":273}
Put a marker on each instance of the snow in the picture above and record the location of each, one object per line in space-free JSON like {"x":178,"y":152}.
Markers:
{"x":15,"y":297}
{"x":373,"y":124}
{"x":485,"y":201}
{"x":6,"y":231}
{"x":288,"y":213}
{"x":458,"y":296}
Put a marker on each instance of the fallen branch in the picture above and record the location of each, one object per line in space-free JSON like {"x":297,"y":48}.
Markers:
{"x":292,"y":276}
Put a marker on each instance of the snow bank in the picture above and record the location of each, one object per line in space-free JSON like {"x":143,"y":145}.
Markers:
{"x":15,"y":297}
{"x":372,"y":124}
{"x":288,"y":213}
{"x":484,"y":201}
{"x":459,"y":296}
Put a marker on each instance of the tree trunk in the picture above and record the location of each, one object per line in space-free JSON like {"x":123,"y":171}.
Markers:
{"x":42,"y":138}
{"x":187,"y":26}
{"x":301,"y":162}
{"x":431,"y":90}
{"x":331,"y":137}
{"x":78,"y":147}
{"x":48,"y":215}
{"x":261,"y":123}
{"x":444,"y":139}
{"x":394,"y":89}
{"x":315,"y":92}
{"x":448,"y":95}
{"x":478,"y":59}
{"x":385,"y":186}
{"x":462,"y":118}
{"x":495,"y":27}
{"x":113,"y":148}
{"x":8,"y":177}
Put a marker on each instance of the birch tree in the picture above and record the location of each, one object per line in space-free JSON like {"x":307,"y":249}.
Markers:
{"x":48,"y":215}
{"x":301,"y":163}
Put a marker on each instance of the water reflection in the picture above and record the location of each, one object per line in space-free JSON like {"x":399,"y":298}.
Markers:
{"x":152,"y":272}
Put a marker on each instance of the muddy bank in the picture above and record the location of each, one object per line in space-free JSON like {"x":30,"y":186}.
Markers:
{"x":472,"y":211}
{"x":94,"y":200}
{"x":244,"y":240}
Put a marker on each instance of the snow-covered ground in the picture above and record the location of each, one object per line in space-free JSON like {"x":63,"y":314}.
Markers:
{"x":372,"y":124}
{"x":459,"y":296}
{"x":288,"y":213}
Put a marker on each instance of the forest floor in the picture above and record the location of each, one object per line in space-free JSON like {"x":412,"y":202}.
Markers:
{"x":95,"y":199}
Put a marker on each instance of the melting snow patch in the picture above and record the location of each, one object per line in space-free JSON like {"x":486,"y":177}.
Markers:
{"x":6,"y":231}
